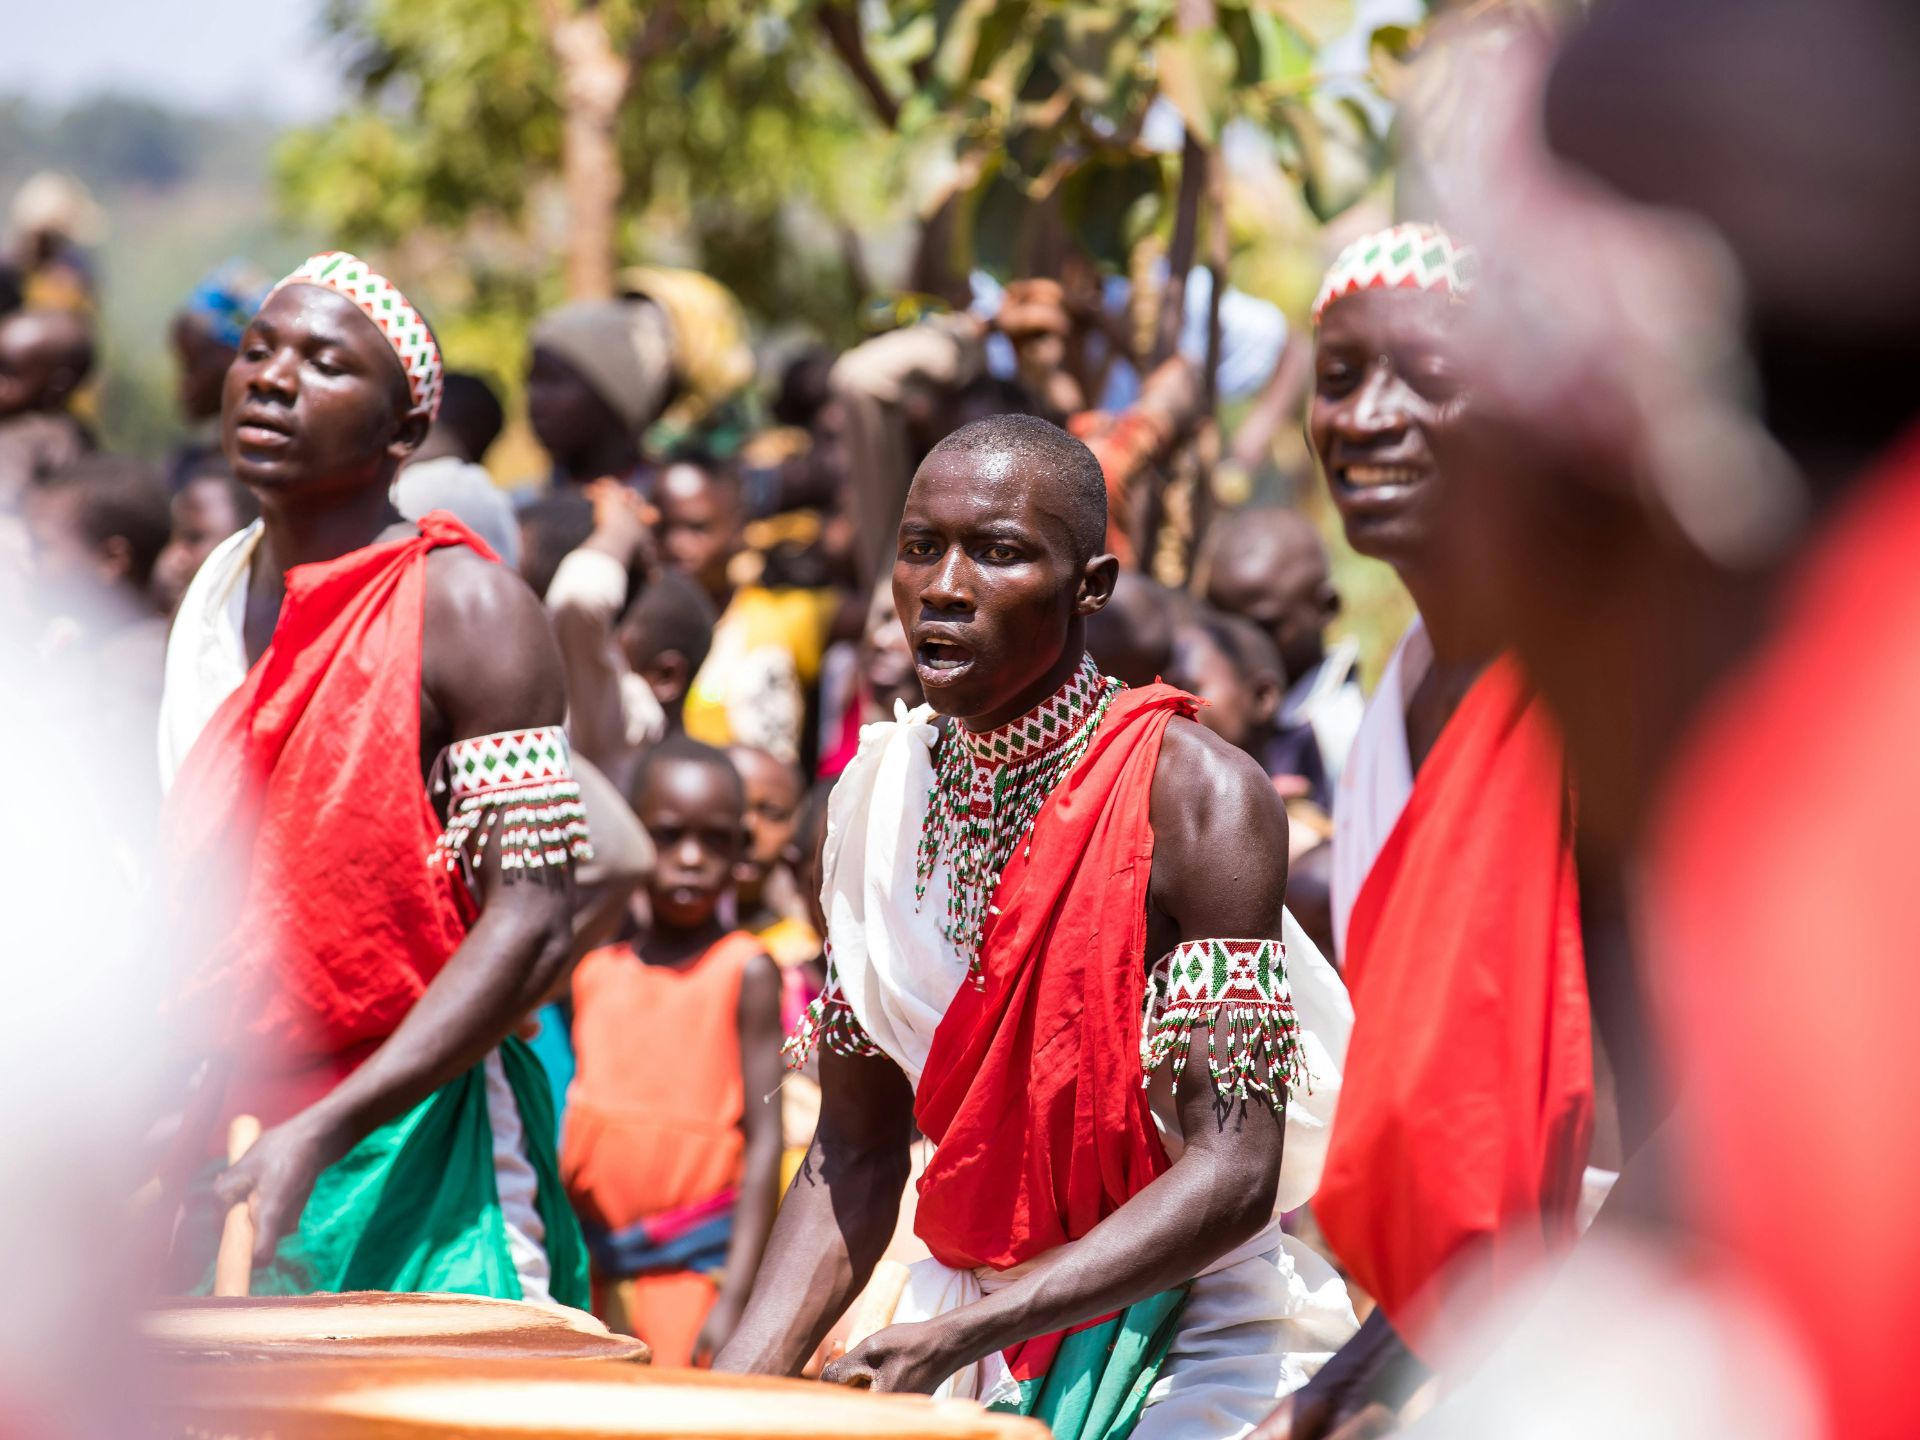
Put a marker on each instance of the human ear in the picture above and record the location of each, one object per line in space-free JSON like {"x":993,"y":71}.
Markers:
{"x":1097,"y":579}
{"x":410,"y":434}
{"x":1266,"y":700}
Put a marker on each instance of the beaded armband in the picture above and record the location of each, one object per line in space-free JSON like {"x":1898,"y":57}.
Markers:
{"x":1244,"y":983}
{"x":828,"y":1022}
{"x":516,"y":787}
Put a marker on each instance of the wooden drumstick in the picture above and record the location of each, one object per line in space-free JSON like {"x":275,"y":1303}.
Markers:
{"x":233,"y":1266}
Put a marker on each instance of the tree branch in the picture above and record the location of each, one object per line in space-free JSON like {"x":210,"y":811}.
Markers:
{"x":841,"y":23}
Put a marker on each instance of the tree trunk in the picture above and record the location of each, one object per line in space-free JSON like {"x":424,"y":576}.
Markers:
{"x":593,"y":83}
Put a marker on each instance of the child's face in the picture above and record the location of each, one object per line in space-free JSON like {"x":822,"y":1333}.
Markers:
{"x":692,"y":811}
{"x":773,"y":807}
{"x":1230,"y":710}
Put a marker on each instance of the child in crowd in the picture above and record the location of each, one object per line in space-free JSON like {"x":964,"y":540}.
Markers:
{"x":209,"y":507}
{"x":671,"y":1144}
{"x":770,"y":902}
{"x":45,"y":357}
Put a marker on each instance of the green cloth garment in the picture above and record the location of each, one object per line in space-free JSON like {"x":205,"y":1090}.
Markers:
{"x":414,"y":1206}
{"x":1096,"y":1384}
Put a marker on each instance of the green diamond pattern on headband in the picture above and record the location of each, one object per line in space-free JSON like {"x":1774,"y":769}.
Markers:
{"x":1406,"y":257}
{"x":381,"y":301}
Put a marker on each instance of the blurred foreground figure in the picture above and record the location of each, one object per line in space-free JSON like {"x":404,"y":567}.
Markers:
{"x":1461,"y":1142}
{"x":371,"y":836}
{"x":1030,"y":915}
{"x":1729,"y":637}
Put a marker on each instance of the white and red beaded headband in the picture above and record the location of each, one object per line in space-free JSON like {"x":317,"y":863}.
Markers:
{"x":1406,"y":257}
{"x":383,"y":304}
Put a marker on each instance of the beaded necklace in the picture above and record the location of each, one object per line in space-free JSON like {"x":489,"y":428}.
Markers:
{"x":987,"y":790}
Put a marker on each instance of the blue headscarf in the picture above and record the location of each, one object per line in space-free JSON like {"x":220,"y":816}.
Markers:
{"x":227,"y":299}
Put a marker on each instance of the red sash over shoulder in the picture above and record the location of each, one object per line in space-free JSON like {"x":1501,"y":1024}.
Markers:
{"x":299,"y":832}
{"x":1032,"y":1091}
{"x":1467,"y":1104}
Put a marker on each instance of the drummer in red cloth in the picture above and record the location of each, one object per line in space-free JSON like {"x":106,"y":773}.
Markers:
{"x":1460,"y":1151}
{"x":371,"y":829}
{"x":1034,"y":915}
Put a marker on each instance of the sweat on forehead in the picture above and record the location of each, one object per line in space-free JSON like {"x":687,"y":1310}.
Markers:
{"x":1042,"y":454}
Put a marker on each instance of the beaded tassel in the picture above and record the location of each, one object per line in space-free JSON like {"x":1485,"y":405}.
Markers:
{"x":517,"y":788}
{"x":987,"y":791}
{"x":830,"y":1022}
{"x":1244,"y":983}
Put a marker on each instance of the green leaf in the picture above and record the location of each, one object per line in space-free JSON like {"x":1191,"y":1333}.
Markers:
{"x":1107,"y":203}
{"x":1196,"y":75}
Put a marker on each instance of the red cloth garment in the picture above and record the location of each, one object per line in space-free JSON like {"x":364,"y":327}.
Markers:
{"x":1785,"y":938}
{"x":1032,"y":1092}
{"x":1467,"y":1105}
{"x":299,"y":834}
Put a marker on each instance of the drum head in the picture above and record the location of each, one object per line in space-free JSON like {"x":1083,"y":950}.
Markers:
{"x":519,"y":1400}
{"x":368,"y":1325}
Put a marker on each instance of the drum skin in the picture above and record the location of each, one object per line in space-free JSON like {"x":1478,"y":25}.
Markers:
{"x":371,"y":1326}
{"x":519,"y":1399}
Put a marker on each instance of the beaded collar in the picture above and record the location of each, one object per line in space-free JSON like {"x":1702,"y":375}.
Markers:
{"x":987,"y":790}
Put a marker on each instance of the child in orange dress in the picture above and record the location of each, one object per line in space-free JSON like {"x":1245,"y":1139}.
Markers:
{"x":671,"y":1147}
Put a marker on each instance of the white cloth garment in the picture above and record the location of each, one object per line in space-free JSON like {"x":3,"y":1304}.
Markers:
{"x":206,"y":662}
{"x":1376,"y":780}
{"x":1260,"y":1320}
{"x":207,"y":651}
{"x":1328,"y":697}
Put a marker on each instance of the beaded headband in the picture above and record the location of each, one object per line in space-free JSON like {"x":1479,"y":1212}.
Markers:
{"x":1406,"y":257}
{"x":380,"y":299}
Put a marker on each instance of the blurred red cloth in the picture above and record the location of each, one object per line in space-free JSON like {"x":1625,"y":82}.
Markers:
{"x":1786,"y":913}
{"x":299,"y":831}
{"x":1467,"y":1105}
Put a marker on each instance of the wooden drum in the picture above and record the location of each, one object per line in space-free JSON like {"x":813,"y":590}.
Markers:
{"x":521,"y":1399}
{"x":375,"y":1326}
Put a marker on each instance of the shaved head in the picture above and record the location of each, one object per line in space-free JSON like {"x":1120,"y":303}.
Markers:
{"x":1053,"y":457}
{"x":1269,"y":565}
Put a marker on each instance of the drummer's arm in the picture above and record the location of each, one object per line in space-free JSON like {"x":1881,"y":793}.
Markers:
{"x":1219,"y":869}
{"x":839,"y":1215}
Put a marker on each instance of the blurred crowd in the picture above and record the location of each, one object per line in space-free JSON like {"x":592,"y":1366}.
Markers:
{"x":711,"y":540}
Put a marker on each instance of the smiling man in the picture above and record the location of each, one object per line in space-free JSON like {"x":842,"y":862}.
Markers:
{"x":371,"y":834}
{"x":1033,"y":912}
{"x":1463,"y":1131}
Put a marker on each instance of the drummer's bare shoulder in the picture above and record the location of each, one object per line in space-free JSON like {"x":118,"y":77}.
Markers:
{"x":1220,"y":840}
{"x":489,"y":661}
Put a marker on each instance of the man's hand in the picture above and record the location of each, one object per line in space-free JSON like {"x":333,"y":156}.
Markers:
{"x":276,"y":1176}
{"x":911,"y":1358}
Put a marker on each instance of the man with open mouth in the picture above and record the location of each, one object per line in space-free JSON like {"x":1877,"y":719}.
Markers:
{"x":1035,"y":910}
{"x":372,"y":828}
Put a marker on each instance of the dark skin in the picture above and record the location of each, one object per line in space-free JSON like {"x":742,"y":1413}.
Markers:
{"x":201,"y":361}
{"x":1385,"y":379}
{"x":774,"y":792}
{"x":1239,"y":706}
{"x":1271,"y":567}
{"x":987,"y":566}
{"x":693,"y":810}
{"x":700,"y":520}
{"x":44,"y":356}
{"x":204,"y":514}
{"x":582,"y":434}
{"x":317,"y":419}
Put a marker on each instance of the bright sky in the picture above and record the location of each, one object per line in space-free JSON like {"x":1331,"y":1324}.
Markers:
{"x":221,"y":55}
